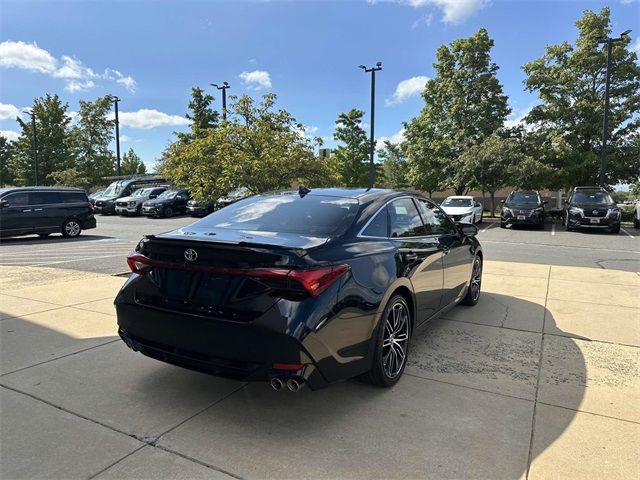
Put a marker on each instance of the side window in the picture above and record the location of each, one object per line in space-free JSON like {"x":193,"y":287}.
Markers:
{"x":19,"y":199}
{"x":183,"y":195}
{"x":436,"y":221}
{"x":379,"y":226}
{"x":404,"y":219}
{"x":44,"y":198}
{"x":74,"y":197}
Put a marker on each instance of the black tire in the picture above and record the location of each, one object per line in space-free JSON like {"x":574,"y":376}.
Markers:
{"x":475,"y":283}
{"x":566,"y":223}
{"x":139,"y":210}
{"x":636,"y":223}
{"x":615,"y":229}
{"x":167,"y":212}
{"x":503,"y":225}
{"x":71,"y":228}
{"x":481,"y":217}
{"x":384,"y":371}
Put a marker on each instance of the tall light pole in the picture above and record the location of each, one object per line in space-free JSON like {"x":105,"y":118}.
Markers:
{"x":605,"y":121}
{"x":34,"y":143}
{"x":223,"y":87}
{"x":372,"y":147}
{"x":115,"y":101}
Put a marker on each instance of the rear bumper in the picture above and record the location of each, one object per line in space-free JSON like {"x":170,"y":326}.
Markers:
{"x":110,"y":208}
{"x":244,"y":351}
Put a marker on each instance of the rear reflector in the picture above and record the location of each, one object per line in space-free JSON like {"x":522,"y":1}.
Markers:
{"x":290,"y":367}
{"x":314,"y":280}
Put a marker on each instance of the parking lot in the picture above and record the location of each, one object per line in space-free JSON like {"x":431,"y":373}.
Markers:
{"x":104,"y":249}
{"x":539,"y":380}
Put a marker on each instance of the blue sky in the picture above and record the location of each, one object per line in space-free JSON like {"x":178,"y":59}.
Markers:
{"x":150,"y":54}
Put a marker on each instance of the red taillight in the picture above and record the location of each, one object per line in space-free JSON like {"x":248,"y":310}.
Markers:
{"x":313,"y":280}
{"x":317,"y":280}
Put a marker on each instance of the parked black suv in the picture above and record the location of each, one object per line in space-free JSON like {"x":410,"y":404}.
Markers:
{"x":591,"y":207}
{"x":523,"y":208}
{"x":106,"y":203}
{"x":44,"y":210}
{"x":166,"y":204}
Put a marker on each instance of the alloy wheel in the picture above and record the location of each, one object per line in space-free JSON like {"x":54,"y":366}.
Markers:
{"x":72,"y":228}
{"x":395,"y":340}
{"x":476,"y":279}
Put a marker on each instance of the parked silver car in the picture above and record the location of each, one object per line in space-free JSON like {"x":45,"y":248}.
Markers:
{"x":132,"y":205}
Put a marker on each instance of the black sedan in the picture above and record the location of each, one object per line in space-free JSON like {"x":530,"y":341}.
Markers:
{"x":523,"y":208}
{"x":167,"y":204}
{"x":299,"y":288}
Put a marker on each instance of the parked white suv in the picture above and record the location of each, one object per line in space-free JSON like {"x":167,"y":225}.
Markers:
{"x":463,"y":209}
{"x":132,"y":205}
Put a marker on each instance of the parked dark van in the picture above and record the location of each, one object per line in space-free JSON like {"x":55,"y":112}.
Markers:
{"x":106,"y":203}
{"x":44,"y":210}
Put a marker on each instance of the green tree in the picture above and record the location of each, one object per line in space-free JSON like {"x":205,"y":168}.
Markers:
{"x":70,"y":177}
{"x":91,"y":138}
{"x":352,"y":158}
{"x":53,"y":138}
{"x":259,"y":148}
{"x":567,"y":124}
{"x":394,"y":166}
{"x":202,"y":116}
{"x":6,"y":162}
{"x":464,"y":104}
{"x":132,"y":164}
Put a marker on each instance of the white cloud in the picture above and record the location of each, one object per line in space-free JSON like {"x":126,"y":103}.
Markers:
{"x":257,"y":79}
{"x":426,"y":19}
{"x":150,"y":118}
{"x":408,"y":88}
{"x":77,"y":75}
{"x":9,"y":135}
{"x":455,"y":11}
{"x":124,"y":138}
{"x":397,"y":137}
{"x":635,"y":46}
{"x":517,"y":117}
{"x":9,"y":112}
{"x":79,"y":86}
{"x":27,"y":56}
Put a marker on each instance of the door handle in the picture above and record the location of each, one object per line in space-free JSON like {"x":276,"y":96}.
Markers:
{"x":27,"y":210}
{"x":37,"y":209}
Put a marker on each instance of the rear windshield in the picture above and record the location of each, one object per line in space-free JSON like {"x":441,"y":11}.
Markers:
{"x":312,"y":215}
{"x":592,"y":197}
{"x":457,"y":202}
{"x":524,"y":197}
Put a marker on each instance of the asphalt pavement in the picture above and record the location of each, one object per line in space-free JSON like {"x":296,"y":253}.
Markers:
{"x":104,"y":249}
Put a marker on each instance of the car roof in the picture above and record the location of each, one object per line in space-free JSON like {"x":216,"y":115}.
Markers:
{"x":38,"y":189}
{"x":462,"y":197}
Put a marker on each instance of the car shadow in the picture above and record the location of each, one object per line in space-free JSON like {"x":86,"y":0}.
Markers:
{"x":470,"y":387}
{"x":53,"y":238}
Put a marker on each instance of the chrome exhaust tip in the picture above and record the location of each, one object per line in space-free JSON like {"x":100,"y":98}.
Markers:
{"x":276,"y":383}
{"x":294,"y":384}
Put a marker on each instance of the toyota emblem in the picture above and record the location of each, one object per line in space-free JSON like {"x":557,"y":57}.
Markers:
{"x":190,"y":254}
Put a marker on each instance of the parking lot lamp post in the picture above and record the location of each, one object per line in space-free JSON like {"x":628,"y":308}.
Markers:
{"x":605,"y":121}
{"x":372,"y":145}
{"x":115,"y":101}
{"x":223,"y":87}
{"x":34,"y":143}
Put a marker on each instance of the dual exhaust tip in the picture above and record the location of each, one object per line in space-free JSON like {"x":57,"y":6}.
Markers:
{"x":293,"y":383}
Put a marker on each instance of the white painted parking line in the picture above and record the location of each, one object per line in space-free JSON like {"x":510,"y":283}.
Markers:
{"x":553,"y":229}
{"x":487,"y":228}
{"x":627,"y":233}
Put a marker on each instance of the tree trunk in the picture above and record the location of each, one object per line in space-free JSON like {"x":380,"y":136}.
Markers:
{"x":493,"y":204}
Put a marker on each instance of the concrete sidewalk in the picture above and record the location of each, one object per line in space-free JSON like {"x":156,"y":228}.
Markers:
{"x":540,"y":380}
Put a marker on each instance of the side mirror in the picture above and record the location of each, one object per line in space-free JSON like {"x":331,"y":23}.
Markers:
{"x":501,"y":201}
{"x":565,"y":201}
{"x":545,"y":202}
{"x":468,"y":229}
{"x":4,"y":203}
